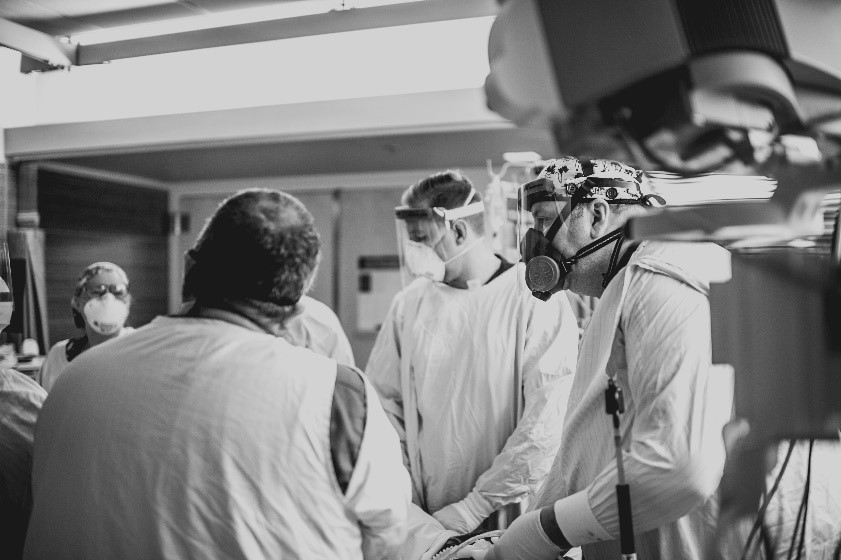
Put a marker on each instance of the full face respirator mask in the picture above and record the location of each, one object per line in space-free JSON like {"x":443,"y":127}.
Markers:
{"x":561,"y":186}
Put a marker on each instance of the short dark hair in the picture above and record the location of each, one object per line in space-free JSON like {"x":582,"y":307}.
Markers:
{"x":260,"y":245}
{"x":446,"y":189}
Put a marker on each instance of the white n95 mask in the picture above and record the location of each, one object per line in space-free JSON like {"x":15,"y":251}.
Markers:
{"x":106,"y":315}
{"x":422,"y":260}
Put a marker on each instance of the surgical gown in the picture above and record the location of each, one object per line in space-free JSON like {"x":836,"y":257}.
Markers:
{"x":651,"y":332}
{"x":475,"y":382}
{"x":316,"y":327}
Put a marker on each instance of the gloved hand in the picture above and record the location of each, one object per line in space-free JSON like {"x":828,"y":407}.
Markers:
{"x":523,"y":540}
{"x":464,"y":516}
{"x":476,"y":550}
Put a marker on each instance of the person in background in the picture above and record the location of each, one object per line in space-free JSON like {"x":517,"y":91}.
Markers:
{"x":20,"y":400}
{"x":316,"y":327}
{"x":650,"y":334}
{"x":100,"y":306}
{"x":207,"y":435}
{"x":472,"y":372}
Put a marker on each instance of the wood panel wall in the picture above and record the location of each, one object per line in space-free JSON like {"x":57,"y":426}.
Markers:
{"x":88,"y":220}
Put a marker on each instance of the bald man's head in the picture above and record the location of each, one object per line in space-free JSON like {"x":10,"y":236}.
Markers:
{"x":260,"y":245}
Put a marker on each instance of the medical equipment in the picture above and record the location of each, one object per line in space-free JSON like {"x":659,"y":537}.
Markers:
{"x":692,"y":85}
{"x":501,"y":217}
{"x":614,"y":406}
{"x":451,"y":552}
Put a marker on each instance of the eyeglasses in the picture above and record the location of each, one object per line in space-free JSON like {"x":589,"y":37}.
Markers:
{"x":99,"y":290}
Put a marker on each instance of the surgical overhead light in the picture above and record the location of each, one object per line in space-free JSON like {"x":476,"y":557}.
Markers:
{"x":693,"y":87}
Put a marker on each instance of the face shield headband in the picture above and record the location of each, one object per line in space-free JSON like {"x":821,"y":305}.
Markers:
{"x":449,"y":215}
{"x":546,"y":267}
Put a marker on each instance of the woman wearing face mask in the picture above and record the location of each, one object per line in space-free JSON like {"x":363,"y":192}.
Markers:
{"x":100,"y":307}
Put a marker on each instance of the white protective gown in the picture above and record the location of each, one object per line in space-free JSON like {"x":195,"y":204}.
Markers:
{"x":316,"y":327}
{"x":199,"y":438}
{"x":20,"y":400}
{"x":56,"y":362}
{"x":651,"y":331}
{"x":475,"y":381}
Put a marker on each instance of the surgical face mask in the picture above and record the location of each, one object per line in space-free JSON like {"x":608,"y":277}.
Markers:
{"x":106,"y":315}
{"x":422,"y":260}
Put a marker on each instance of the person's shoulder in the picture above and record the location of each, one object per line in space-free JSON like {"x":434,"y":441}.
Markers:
{"x":60,"y":346}
{"x":694,"y":264}
{"x":289,"y":354}
{"x":15,"y":385}
{"x":415,"y":291}
{"x":312,"y":308}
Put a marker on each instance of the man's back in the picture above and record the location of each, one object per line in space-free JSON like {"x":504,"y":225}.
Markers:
{"x":194,"y":437}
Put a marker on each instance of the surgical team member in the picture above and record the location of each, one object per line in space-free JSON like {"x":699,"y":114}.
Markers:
{"x":20,"y":400}
{"x":100,"y":306}
{"x":650,"y":333}
{"x":206,"y":435}
{"x":470,"y":369}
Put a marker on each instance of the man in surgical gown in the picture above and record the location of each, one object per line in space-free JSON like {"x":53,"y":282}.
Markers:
{"x":207,"y":435}
{"x":649,"y":333}
{"x":472,"y":371}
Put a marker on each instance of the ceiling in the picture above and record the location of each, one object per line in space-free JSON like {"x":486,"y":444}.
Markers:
{"x":390,"y":152}
{"x":63,"y":17}
{"x":334,"y":156}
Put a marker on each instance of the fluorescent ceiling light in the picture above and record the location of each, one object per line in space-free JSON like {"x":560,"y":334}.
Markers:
{"x":222,"y":19}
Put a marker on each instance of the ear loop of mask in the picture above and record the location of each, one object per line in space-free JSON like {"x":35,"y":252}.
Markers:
{"x":451,"y":215}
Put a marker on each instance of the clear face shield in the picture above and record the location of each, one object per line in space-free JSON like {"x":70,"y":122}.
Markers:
{"x":547,"y":202}
{"x":420,"y":232}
